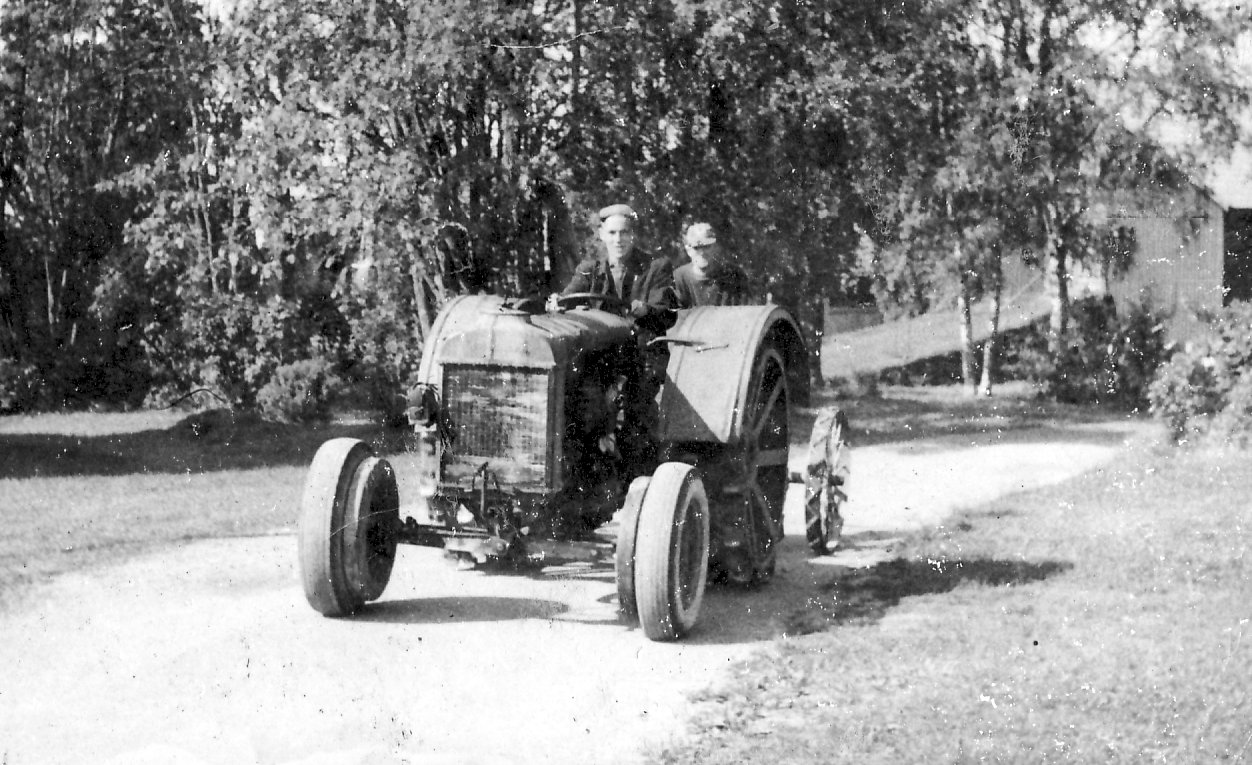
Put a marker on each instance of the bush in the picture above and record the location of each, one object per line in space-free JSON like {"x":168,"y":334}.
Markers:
{"x":19,"y":386}
{"x":1201,"y":383}
{"x":1103,"y":358}
{"x":856,"y":385}
{"x":384,"y":356}
{"x":944,"y":369}
{"x":1233,"y":424}
{"x":300,"y":392}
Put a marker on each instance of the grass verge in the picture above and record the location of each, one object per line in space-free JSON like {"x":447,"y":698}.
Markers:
{"x":1107,"y":619}
{"x":84,"y":490}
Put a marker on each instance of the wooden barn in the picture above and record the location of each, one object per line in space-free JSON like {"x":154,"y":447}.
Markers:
{"x":1171,"y":255}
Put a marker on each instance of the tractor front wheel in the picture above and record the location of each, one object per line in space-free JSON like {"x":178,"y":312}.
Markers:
{"x":671,"y":552}
{"x":348,"y":519}
{"x":624,"y":556}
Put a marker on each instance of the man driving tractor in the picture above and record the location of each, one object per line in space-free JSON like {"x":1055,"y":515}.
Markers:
{"x":621,"y":269}
{"x":645,"y":286}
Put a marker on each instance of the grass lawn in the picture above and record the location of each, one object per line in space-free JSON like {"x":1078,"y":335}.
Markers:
{"x":82,"y":490}
{"x":1102,"y":620}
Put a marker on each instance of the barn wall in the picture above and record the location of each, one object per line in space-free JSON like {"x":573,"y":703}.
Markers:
{"x":1178,"y":266}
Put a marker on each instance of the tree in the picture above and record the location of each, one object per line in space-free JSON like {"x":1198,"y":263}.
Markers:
{"x":1054,"y":111}
{"x":86,"y":86}
{"x":1088,"y":88}
{"x":361,"y":135}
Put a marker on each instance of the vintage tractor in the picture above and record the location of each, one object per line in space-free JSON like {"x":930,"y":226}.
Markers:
{"x":539,"y":426}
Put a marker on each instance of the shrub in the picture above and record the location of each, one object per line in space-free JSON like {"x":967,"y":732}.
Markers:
{"x":300,"y":392}
{"x":944,"y":369}
{"x":19,"y":386}
{"x":1233,"y":424}
{"x":384,"y":356}
{"x":1185,"y":392}
{"x":856,"y":385}
{"x":1103,"y":358}
{"x":1207,"y":378}
{"x":1136,"y":350}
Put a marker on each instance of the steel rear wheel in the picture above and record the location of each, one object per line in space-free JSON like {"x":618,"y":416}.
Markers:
{"x":672,"y":552}
{"x":348,"y":519}
{"x":762,"y":463}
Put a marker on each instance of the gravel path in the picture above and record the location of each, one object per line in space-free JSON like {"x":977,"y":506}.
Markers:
{"x":208,"y":653}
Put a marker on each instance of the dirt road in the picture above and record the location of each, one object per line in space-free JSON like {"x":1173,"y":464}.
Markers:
{"x":209,"y":654}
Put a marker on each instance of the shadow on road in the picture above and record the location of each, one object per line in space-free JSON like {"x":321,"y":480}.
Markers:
{"x":813,"y":594}
{"x":461,"y":609}
{"x":865,"y":595}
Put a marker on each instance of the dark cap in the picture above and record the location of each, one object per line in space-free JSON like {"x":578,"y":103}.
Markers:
{"x":612,"y":210}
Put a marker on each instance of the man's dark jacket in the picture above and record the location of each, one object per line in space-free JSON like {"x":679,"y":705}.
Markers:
{"x":648,"y":279}
{"x":720,"y":285}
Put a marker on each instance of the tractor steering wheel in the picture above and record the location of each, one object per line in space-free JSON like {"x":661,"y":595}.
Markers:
{"x":605,"y":301}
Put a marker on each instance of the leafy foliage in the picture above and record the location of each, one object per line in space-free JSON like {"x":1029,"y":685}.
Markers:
{"x":1105,"y":358}
{"x":1207,"y":381}
{"x":1048,"y":110}
{"x":302,"y":391}
{"x":332,"y":172}
{"x":17,"y":386}
{"x":89,"y":89}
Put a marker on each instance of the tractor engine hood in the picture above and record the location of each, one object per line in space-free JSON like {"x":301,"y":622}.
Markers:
{"x":485,"y":330}
{"x":501,"y":373}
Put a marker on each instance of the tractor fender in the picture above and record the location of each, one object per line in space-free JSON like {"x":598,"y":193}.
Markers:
{"x":712,"y":351}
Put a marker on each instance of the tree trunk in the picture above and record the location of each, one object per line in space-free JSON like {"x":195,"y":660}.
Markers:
{"x":964,"y":300}
{"x":967,"y":338}
{"x":1060,"y":301}
{"x":818,"y":304}
{"x":576,"y":66}
{"x":993,"y":324}
{"x":424,"y":315}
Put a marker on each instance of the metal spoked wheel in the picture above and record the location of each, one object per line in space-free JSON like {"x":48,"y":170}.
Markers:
{"x":825,"y":483}
{"x":348,"y":519}
{"x":761,"y":462}
{"x":671,"y":552}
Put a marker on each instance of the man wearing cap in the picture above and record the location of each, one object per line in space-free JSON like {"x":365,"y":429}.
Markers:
{"x":709,"y":279}
{"x":643,"y":281}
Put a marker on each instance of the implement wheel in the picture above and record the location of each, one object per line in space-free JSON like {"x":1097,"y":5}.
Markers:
{"x":624,"y":556}
{"x":824,"y":485}
{"x":348,"y":520}
{"x":671,"y":552}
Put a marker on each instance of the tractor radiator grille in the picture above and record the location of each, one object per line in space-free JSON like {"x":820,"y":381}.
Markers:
{"x":500,"y":416}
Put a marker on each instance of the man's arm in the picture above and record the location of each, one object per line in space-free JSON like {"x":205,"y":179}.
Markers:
{"x":683,"y":290}
{"x":584,"y":277}
{"x":654,"y":300}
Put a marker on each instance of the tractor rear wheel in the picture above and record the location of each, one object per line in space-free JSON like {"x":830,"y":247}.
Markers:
{"x":671,"y":552}
{"x":756,"y":469}
{"x":624,"y":555}
{"x":348,"y":519}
